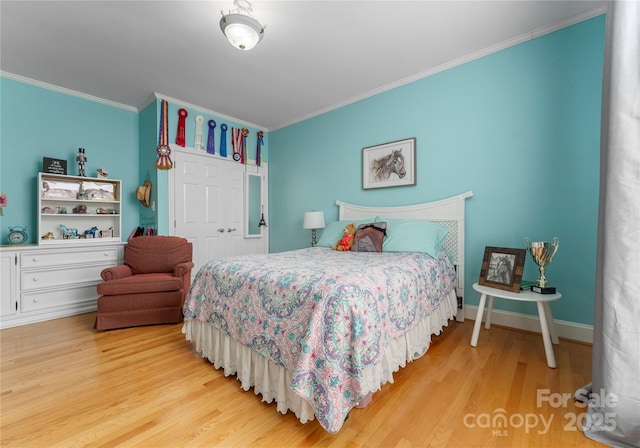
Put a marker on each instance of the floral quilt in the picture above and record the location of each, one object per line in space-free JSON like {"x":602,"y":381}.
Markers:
{"x":322,"y":315}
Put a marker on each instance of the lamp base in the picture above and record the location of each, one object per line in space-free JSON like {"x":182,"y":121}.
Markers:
{"x":313,"y":238}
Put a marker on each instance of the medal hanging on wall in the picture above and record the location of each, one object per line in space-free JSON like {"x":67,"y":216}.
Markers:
{"x":180,"y":132}
{"x":211,"y":138}
{"x":244,"y":158}
{"x":259,"y":144}
{"x":163,"y":150}
{"x":223,"y":140}
{"x":237,"y":142}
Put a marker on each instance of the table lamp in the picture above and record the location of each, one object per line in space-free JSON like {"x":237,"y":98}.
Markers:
{"x":313,"y":221}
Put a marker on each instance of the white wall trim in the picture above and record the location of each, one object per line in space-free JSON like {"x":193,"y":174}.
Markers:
{"x":565,"y":329}
{"x":453,"y":63}
{"x":65,"y":91}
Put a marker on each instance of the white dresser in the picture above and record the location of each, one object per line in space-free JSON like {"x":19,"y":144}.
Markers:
{"x":47,"y":282}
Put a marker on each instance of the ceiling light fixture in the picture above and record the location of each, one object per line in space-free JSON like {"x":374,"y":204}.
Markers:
{"x":240,"y":27}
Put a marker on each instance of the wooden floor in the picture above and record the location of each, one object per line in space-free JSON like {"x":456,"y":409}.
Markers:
{"x":65,"y":385}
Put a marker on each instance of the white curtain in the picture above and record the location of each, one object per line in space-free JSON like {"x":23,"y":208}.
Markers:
{"x":614,"y":403}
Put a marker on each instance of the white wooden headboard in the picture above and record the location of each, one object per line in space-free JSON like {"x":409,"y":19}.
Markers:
{"x":448,"y":212}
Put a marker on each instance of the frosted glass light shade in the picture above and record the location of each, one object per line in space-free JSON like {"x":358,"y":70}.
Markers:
{"x":242,"y":31}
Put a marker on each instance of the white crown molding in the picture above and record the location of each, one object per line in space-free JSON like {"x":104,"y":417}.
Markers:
{"x":66,"y":91}
{"x":453,"y":63}
{"x":160,"y":96}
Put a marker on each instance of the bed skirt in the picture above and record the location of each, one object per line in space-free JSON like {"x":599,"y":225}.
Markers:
{"x":272,"y":381}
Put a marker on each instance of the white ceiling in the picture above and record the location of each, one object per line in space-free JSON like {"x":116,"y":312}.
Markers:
{"x":315,"y":56}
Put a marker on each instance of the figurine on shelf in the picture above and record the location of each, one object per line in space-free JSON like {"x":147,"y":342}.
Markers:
{"x":91,"y":233}
{"x":80,"y":209}
{"x":102,"y":173}
{"x":48,"y":236}
{"x":67,"y":233}
{"x":81,"y":158}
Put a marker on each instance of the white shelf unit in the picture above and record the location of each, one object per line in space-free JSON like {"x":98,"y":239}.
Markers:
{"x":60,"y":195}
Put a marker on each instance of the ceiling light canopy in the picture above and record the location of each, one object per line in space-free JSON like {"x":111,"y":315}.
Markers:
{"x":240,"y":27}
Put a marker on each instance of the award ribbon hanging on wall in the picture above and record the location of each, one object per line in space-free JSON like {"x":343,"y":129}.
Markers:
{"x":197,"y":139}
{"x":223,"y":140}
{"x":259,"y":144}
{"x":163,"y":150}
{"x":180,"y":133}
{"x":211,"y":138}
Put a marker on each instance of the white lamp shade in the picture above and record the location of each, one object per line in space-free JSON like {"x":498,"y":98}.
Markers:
{"x":313,"y":220}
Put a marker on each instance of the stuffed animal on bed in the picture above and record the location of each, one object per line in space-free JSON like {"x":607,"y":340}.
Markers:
{"x":346,"y":242}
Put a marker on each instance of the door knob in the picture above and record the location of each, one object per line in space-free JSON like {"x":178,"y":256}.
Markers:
{"x":231,"y":230}
{"x":221,"y":230}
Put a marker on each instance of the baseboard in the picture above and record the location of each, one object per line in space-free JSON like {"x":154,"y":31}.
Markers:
{"x":564,"y":329}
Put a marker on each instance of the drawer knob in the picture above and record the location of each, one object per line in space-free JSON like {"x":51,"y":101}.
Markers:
{"x":35,"y":300}
{"x":36,"y":278}
{"x":36,"y":259}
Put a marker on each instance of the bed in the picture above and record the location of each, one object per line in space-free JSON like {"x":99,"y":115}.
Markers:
{"x":319,"y":331}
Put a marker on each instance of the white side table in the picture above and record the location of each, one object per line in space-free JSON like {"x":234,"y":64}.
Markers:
{"x":542,"y":300}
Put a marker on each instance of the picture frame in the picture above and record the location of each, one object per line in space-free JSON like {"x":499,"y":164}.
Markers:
{"x":502,"y":268}
{"x":390,"y":164}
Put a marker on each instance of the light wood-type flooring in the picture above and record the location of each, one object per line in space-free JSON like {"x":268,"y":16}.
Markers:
{"x":65,"y":385}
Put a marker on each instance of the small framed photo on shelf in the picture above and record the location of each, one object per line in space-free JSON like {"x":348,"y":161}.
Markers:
{"x":502,"y":268}
{"x":389,"y":164}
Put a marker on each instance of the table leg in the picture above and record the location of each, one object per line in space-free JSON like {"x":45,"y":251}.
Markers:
{"x":478,"y":322}
{"x":487,"y":320}
{"x":546,"y":338}
{"x":552,"y":326}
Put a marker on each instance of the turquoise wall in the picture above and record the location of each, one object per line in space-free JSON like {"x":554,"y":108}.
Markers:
{"x":37,"y":122}
{"x":520,"y":128}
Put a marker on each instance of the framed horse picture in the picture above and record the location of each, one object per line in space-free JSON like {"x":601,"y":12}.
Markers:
{"x":502,"y":268}
{"x":389,"y":164}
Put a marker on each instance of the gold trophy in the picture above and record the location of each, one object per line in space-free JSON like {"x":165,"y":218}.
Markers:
{"x":542,"y":253}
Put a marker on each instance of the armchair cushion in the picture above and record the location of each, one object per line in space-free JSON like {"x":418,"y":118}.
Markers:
{"x":146,"y":255}
{"x":142,"y":283}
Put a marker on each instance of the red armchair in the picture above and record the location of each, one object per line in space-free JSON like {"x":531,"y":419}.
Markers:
{"x":150,"y":287}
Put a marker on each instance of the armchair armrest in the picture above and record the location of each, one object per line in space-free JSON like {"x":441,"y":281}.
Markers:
{"x":116,"y":272}
{"x":182,"y":269}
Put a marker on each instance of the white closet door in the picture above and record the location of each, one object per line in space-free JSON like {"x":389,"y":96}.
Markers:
{"x":208,"y":204}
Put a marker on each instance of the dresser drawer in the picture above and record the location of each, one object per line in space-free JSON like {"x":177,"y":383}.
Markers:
{"x":48,"y":278}
{"x":43,"y":259}
{"x":41,"y":300}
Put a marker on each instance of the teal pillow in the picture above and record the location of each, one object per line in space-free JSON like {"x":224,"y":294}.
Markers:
{"x":414,"y":236}
{"x":333,"y":231}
